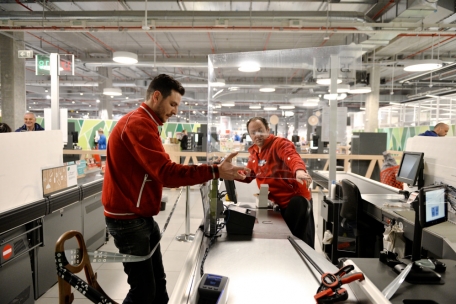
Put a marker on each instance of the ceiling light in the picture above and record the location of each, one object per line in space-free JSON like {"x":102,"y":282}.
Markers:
{"x":360,"y":89}
{"x":112,"y":91}
{"x":98,"y":100}
{"x":249,"y":67}
{"x":269,"y":108}
{"x":267,"y":89}
{"x":342,"y":88}
{"x":287,"y":107}
{"x":255,"y":107}
{"x":335,"y":96}
{"x":287,"y":113}
{"x":325,"y":79}
{"x":233,"y":88}
{"x":423,"y":65}
{"x":215,"y":95}
{"x":228,"y":104}
{"x":126,"y":97}
{"x":125,"y":57}
{"x":46,"y":90}
{"x":218,"y":82}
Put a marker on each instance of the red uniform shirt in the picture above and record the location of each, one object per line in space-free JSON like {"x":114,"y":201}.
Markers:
{"x":138,"y":167}
{"x":276,"y":165}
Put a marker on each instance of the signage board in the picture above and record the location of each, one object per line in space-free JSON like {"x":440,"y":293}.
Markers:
{"x":25,"y":54}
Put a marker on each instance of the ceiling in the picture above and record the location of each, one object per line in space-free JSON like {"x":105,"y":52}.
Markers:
{"x":182,"y":34}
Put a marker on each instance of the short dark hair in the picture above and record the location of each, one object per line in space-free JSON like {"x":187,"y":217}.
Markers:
{"x":4,"y":128}
{"x":164,"y":84}
{"x":263,"y":121}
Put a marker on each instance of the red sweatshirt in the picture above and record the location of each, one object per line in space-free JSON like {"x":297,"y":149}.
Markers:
{"x":138,"y":167}
{"x":276,"y":165}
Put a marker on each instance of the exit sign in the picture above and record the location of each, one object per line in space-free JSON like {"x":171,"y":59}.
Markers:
{"x":25,"y":54}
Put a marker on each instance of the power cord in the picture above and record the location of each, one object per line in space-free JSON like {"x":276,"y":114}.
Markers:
{"x":211,"y":242}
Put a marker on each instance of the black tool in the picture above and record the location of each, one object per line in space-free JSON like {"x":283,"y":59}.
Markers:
{"x":330,"y":290}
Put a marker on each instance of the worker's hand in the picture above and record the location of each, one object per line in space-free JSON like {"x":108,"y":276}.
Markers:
{"x":229,"y":172}
{"x":302,"y":176}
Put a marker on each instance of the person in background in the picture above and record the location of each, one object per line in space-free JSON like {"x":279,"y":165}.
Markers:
{"x":4,"y":128}
{"x":274,"y":161}
{"x":30,"y":124}
{"x":184,"y":140}
{"x":137,"y":170}
{"x":440,"y":130}
{"x":236,"y":137}
{"x":101,"y":140}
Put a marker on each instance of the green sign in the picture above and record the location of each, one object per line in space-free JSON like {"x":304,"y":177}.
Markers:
{"x":42,"y":65}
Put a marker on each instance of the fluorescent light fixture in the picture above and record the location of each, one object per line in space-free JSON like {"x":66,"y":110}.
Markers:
{"x":335,"y":96}
{"x":215,"y":95}
{"x":324,"y":80}
{"x":360,"y":89}
{"x":342,"y":88}
{"x":288,"y":113}
{"x":98,"y":100}
{"x":228,"y":104}
{"x":125,"y":57}
{"x":255,"y":107}
{"x":270,"y":108}
{"x":218,"y":82}
{"x":233,"y":88}
{"x":249,"y":67}
{"x":267,"y":90}
{"x":112,"y":91}
{"x":287,"y":107}
{"x":395,"y":103}
{"x":362,"y":108}
{"x":423,"y":65}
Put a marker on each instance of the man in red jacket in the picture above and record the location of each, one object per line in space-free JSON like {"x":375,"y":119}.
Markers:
{"x":137,"y":169}
{"x":274,"y":161}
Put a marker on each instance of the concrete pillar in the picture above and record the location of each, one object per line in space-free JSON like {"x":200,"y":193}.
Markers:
{"x":372,"y":100}
{"x":105,"y":105}
{"x":12,"y":79}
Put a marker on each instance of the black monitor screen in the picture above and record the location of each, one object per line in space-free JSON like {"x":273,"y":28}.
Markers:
{"x":433,"y":209}
{"x":231,"y":190}
{"x":411,"y":165}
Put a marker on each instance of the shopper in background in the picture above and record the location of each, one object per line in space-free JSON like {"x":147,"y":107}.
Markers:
{"x":184,"y":140}
{"x":137,"y":170}
{"x":30,"y":124}
{"x":4,"y":128}
{"x":274,"y":161}
{"x":236,"y":137}
{"x":440,"y":130}
{"x":101,"y":140}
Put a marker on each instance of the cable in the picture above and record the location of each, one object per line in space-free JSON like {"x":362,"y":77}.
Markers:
{"x":211,"y":242}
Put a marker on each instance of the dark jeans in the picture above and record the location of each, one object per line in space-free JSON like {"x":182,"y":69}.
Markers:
{"x":147,"y":279}
{"x":294,"y":216}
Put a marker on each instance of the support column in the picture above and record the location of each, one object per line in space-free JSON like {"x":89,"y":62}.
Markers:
{"x":372,"y":100}
{"x":105,"y":106}
{"x":12,"y":79}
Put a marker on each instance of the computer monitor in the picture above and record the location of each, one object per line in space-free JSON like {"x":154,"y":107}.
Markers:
{"x":411,"y":168}
{"x":433,"y":208}
{"x":231,"y":190}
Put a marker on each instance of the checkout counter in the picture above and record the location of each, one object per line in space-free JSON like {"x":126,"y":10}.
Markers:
{"x":380,"y":201}
{"x":262,"y":267}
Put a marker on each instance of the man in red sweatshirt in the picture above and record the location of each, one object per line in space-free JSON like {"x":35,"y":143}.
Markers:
{"x":137,"y":170}
{"x":274,"y":161}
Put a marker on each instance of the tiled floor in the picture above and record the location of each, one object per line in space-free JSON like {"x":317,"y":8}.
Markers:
{"x":111,"y":276}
